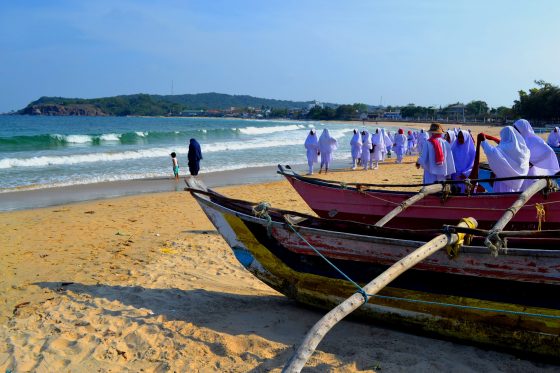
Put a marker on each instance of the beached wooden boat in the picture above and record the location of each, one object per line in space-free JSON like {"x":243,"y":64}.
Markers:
{"x":509,"y":301}
{"x":361,"y":203}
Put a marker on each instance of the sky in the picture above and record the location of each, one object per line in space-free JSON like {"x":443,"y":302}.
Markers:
{"x":393,"y":52}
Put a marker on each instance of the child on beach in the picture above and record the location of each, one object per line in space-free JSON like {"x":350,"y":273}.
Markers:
{"x":175,"y":166}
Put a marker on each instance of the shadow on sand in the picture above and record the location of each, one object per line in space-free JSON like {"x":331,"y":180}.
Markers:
{"x":274,"y":318}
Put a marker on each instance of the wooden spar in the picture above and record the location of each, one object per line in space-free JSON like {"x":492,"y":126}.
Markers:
{"x":493,"y":241}
{"x":481,"y":136}
{"x":327,"y":322}
{"x":427,"y":190}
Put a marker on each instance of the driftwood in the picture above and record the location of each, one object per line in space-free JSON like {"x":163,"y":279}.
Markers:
{"x":427,"y":190}
{"x":322,"y":327}
{"x":493,"y":240}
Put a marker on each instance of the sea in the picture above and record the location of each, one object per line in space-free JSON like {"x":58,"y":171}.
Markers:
{"x":45,"y":152}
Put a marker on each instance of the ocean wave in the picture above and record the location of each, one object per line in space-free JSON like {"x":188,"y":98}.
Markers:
{"x":267,"y":130}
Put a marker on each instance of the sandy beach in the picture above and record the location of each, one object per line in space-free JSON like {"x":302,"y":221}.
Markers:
{"x":145,"y":283}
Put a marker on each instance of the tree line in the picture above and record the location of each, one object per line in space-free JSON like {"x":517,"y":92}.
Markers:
{"x":540,"y":104}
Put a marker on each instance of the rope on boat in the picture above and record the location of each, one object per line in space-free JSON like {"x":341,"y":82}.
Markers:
{"x":541,"y":214}
{"x":495,"y":243}
{"x":520,"y":313}
{"x":359,"y":289}
{"x":462,"y":238}
{"x":261,"y":211}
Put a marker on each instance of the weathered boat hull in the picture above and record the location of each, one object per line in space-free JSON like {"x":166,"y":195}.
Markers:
{"x":329,"y":200}
{"x":444,"y":297}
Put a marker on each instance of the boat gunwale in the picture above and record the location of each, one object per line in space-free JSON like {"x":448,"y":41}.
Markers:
{"x":466,"y":249}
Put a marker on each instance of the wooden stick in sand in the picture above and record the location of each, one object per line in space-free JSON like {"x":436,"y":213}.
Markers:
{"x":427,"y":190}
{"x":323,"y":326}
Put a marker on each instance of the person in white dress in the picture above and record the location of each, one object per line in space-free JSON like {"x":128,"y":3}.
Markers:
{"x":410,"y":143}
{"x":436,"y":157}
{"x":554,"y":138}
{"x":312,"y":147}
{"x":379,"y":148}
{"x":327,"y":145}
{"x":464,"y":152}
{"x":400,"y":145}
{"x":542,"y":160}
{"x":422,"y":138}
{"x":509,"y":158}
{"x":356,"y":147}
{"x":366,"y":148}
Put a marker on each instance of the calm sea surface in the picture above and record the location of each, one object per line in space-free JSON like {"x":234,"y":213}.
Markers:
{"x":42,"y":152}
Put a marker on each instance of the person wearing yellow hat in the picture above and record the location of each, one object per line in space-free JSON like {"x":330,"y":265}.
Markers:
{"x":436,"y":157}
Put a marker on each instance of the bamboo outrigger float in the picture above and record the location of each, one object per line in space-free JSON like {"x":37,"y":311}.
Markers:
{"x":508,"y":302}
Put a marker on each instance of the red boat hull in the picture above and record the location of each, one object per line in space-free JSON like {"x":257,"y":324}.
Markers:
{"x":329,"y":200}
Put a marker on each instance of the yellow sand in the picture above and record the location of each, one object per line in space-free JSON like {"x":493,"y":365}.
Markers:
{"x":144,"y":283}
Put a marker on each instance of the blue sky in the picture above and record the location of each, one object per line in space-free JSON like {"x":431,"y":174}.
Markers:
{"x":427,"y":52}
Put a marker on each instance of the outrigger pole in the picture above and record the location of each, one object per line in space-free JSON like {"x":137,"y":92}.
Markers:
{"x":327,"y":322}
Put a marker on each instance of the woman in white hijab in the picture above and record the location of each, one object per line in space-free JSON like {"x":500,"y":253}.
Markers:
{"x":422,"y":138}
{"x":356,"y":147}
{"x":312,"y":146}
{"x":327,"y":145}
{"x":554,"y":138}
{"x":450,"y":136}
{"x":464,"y":152}
{"x":508,"y":159}
{"x":379,"y":148}
{"x":366,"y":148}
{"x":388,"y":143}
{"x":542,"y":159}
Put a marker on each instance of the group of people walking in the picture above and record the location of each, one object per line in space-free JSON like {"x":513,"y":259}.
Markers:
{"x":447,"y":154}
{"x":519,"y":153}
{"x":322,"y":147}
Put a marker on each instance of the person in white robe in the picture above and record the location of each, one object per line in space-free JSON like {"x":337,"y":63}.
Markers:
{"x":422,"y":138}
{"x":554,"y":138}
{"x":312,"y":146}
{"x":542,"y":160}
{"x":366,"y":148}
{"x":509,"y":158}
{"x":379,"y":148}
{"x":400,"y":145}
{"x":327,"y":145}
{"x":409,"y":143}
{"x":356,"y":147}
{"x":436,"y":157}
{"x":464,"y":152}
{"x":388,"y":144}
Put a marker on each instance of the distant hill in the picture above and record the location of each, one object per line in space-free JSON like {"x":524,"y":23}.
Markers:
{"x":153,"y":105}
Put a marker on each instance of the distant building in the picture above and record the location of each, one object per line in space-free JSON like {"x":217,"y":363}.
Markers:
{"x":315,"y":104}
{"x":392,"y":115}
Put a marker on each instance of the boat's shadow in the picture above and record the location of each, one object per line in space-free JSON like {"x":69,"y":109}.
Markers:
{"x":274,"y":318}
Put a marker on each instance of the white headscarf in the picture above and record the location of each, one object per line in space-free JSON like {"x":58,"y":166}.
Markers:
{"x":311,"y":141}
{"x":542,"y":155}
{"x":554,"y":138}
{"x":378,"y":139}
{"x":463,"y":154}
{"x":356,"y":139}
{"x":327,"y":143}
{"x":366,"y":139}
{"x":386,"y":138}
{"x":452,"y":136}
{"x":510,"y":158}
